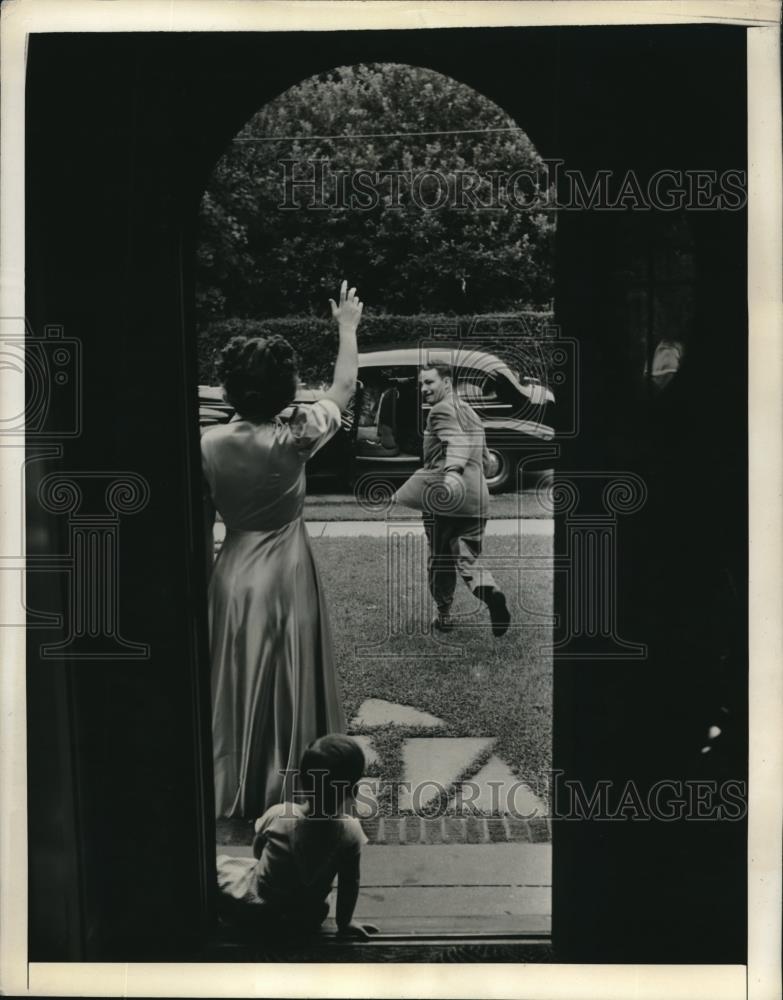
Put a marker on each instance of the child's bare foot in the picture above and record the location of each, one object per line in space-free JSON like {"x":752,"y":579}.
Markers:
{"x":356,"y":930}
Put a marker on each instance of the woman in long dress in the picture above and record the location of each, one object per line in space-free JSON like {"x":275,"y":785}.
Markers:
{"x":274,"y":683}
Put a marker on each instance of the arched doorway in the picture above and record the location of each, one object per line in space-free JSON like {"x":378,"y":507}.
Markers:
{"x":435,"y":203}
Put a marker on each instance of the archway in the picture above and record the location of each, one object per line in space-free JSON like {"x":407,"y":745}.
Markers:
{"x":442,"y":208}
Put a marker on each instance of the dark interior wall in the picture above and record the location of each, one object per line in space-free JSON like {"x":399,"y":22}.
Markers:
{"x":675,"y":100}
{"x":122,"y":134}
{"x":106,"y":256}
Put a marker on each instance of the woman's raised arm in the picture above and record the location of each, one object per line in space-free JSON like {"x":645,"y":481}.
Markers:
{"x":347,"y":313}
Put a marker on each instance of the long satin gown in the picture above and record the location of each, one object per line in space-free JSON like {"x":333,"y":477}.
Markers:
{"x":274,"y":682}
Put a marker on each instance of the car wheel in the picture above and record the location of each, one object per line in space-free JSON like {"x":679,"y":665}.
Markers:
{"x":501,"y":471}
{"x":540,"y":479}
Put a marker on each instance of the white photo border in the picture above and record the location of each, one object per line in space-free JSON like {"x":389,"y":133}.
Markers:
{"x":761,"y":979}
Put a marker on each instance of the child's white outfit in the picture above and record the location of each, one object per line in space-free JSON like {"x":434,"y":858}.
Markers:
{"x":296,"y":866}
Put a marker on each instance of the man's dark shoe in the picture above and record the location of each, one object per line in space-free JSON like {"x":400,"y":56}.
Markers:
{"x":442,"y":622}
{"x":499,"y":614}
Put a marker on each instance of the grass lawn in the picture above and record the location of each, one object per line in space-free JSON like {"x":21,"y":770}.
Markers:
{"x":478,"y":685}
{"x":321,"y":506}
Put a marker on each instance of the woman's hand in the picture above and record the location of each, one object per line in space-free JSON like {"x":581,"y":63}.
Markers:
{"x":349,"y":311}
{"x":346,"y":367}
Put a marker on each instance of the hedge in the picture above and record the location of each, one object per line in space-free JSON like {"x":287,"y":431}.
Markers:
{"x":512,"y":336}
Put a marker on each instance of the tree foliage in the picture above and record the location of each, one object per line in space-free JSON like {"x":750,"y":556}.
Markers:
{"x":257,"y":259}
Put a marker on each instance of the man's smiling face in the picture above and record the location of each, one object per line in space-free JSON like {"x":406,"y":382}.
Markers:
{"x":433,"y":387}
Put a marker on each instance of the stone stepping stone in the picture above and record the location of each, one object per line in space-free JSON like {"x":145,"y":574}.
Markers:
{"x":431,"y":764}
{"x":377,"y":712}
{"x":366,"y":801}
{"x":506,"y":795}
{"x":371,"y":757}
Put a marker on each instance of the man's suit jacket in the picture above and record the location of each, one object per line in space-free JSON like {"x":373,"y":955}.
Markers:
{"x":454,"y":441}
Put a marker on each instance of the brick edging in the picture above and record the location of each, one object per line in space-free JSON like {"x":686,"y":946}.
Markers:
{"x":403,"y":830}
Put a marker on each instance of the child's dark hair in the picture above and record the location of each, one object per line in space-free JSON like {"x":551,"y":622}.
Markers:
{"x":258,"y":375}
{"x":331,"y":766}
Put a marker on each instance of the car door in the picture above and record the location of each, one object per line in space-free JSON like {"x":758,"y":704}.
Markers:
{"x":335,"y":459}
{"x":485,"y":392}
{"x":402,"y":421}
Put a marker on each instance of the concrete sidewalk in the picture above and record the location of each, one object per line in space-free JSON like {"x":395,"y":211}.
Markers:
{"x":382,"y":529}
{"x":481,"y":889}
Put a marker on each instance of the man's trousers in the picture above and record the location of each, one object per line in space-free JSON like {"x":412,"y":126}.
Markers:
{"x":454,"y":548}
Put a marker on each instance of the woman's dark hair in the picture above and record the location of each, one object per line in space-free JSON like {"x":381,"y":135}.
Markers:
{"x":330,"y":766}
{"x":258,"y":375}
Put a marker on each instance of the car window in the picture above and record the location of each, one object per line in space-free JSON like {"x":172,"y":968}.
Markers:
{"x":374,"y":380}
{"x":371,"y":388}
{"x":393,"y":374}
{"x":477,"y":387}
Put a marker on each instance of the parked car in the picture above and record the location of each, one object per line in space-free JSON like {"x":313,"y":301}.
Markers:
{"x":382,"y":431}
